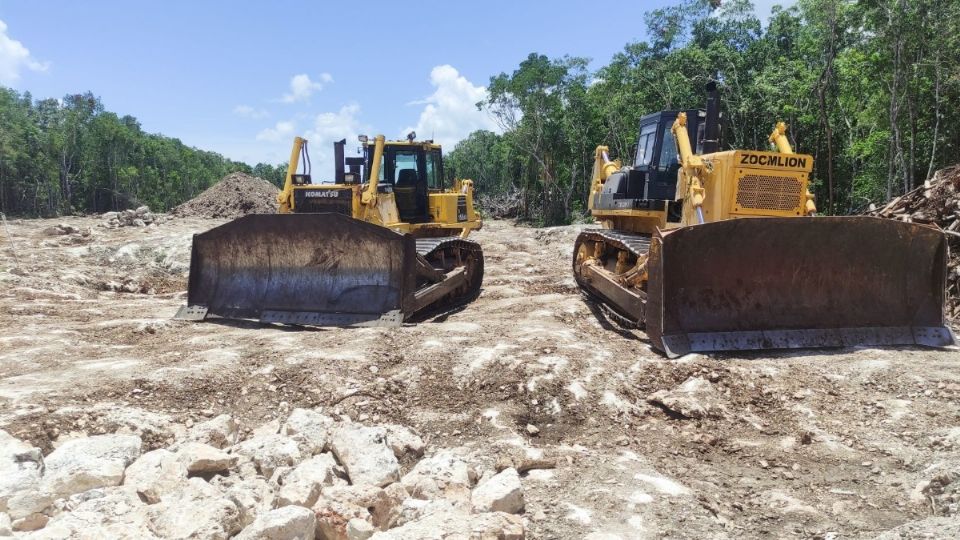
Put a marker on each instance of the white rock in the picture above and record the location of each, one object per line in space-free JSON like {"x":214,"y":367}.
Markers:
{"x":363,"y":452}
{"x":203,"y":458}
{"x":359,"y":529}
{"x":287,"y":523}
{"x":434,"y":476}
{"x":502,"y":493}
{"x":114,"y":512}
{"x":380,"y":504}
{"x":31,"y":522}
{"x":252,"y":496}
{"x":109,"y":215}
{"x":6,"y":527}
{"x":20,"y":469}
{"x":29,"y":501}
{"x":219,"y":432}
{"x":270,"y":428}
{"x":90,"y":462}
{"x":302,"y":485}
{"x":269,"y":452}
{"x":310,"y":429}
{"x":197,"y":511}
{"x":403,"y":441}
{"x":695,"y":398}
{"x":413,"y":509}
{"x":155,"y":474}
{"x":333,"y":516}
{"x":458,"y":523}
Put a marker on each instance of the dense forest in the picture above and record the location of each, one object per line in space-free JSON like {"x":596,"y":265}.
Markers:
{"x":73,"y":156}
{"x":871,"y":88}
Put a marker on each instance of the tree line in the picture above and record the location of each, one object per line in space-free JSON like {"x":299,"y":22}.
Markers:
{"x":73,"y":156}
{"x":867,"y":87}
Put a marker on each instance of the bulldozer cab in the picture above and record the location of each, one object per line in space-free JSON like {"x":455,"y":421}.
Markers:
{"x":410,"y":170}
{"x":656,"y":162}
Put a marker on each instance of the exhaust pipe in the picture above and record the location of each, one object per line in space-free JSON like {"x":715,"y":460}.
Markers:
{"x":711,"y":130}
{"x":338,"y":161}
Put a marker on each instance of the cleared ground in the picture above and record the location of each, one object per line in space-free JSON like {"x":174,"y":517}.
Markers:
{"x":808,"y":444}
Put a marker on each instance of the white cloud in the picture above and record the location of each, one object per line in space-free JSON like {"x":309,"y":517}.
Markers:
{"x":278,"y":132}
{"x":247,"y":111}
{"x":450,"y":113}
{"x":302,"y":87}
{"x":14,"y":57}
{"x":328,"y":128}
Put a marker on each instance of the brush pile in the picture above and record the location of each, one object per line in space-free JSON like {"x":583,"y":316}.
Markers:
{"x":936,"y":202}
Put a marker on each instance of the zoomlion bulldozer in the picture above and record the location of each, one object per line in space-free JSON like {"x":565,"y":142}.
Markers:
{"x":383,"y":244}
{"x":714,"y":250}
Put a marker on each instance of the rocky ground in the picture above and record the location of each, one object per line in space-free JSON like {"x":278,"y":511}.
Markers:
{"x":525,"y":414}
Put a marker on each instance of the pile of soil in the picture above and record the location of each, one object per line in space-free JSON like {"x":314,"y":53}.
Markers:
{"x":237,"y":194}
{"x":936,"y":202}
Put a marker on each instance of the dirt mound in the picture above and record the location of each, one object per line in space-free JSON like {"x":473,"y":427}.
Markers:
{"x":237,"y":194}
{"x":936,"y":202}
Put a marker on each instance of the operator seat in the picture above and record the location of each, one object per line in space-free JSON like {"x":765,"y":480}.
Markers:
{"x":405,"y":193}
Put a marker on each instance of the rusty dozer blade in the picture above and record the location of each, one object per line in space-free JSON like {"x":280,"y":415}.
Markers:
{"x":311,"y":269}
{"x":774,"y":283}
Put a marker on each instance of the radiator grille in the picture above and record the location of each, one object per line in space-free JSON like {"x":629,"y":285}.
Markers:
{"x":768,"y":192}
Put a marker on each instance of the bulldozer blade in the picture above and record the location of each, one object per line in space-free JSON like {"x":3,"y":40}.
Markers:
{"x":310,"y":269}
{"x":774,"y":283}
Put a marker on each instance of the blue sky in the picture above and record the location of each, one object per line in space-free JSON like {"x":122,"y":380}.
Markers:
{"x":242,"y":78}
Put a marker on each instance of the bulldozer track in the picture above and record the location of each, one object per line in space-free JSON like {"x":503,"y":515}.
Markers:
{"x":636,"y":244}
{"x":431,"y":249}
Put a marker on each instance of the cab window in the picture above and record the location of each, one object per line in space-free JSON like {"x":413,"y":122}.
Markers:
{"x":434,"y":172}
{"x":645,"y":144}
{"x":404,"y":160}
{"x":668,"y":150}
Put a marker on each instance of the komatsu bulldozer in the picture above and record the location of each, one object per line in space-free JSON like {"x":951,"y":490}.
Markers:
{"x":714,"y":250}
{"x":384,"y":243}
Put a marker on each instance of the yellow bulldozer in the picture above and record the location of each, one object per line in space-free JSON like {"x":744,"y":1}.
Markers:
{"x":711,"y":250}
{"x":384,"y":243}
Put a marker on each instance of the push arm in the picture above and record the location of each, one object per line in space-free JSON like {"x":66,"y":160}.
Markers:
{"x":285,"y":197}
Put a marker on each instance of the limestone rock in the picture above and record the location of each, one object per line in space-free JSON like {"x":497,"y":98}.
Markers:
{"x":403,"y":441}
{"x":90,"y":462}
{"x":695,"y":398}
{"x":501,"y":493}
{"x":302,"y":485}
{"x":198,"y":510}
{"x":359,"y":529}
{"x":413,"y":509}
{"x":434,"y":476}
{"x":363,"y":452}
{"x":114,"y":512}
{"x":156,"y":474}
{"x":219,"y":432}
{"x":200,"y":458}
{"x":287,"y":523}
{"x":333,"y":517}
{"x":458,"y":524}
{"x":380,"y":503}
{"x":252,"y":496}
{"x":31,"y":522}
{"x":6,"y":527}
{"x":310,"y":429}
{"x":269,"y":452}
{"x":20,"y":469}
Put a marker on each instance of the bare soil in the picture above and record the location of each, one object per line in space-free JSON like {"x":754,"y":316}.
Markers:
{"x":795,"y":444}
{"x":235,"y":195}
